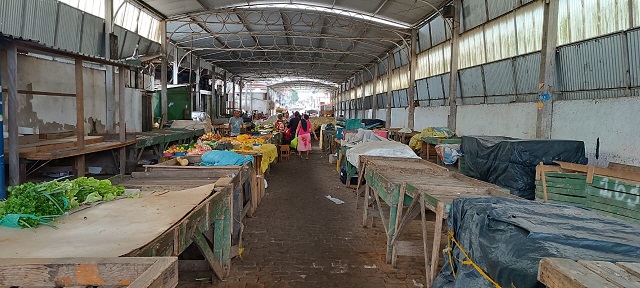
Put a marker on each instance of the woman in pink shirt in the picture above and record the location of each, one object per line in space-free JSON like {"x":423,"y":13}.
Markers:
{"x":304,"y":136}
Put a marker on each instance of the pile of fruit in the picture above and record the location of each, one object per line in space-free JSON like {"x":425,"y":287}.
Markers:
{"x":210,"y":137}
{"x":178,"y":148}
{"x":200,"y":148}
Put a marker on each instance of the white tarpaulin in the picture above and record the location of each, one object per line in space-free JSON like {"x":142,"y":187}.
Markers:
{"x":362,"y":136}
{"x":379,"y":148}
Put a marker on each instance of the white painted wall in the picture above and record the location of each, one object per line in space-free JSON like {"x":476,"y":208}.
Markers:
{"x":56,"y":113}
{"x":615,"y":121}
{"x":513,"y":120}
{"x":398,"y":117}
{"x":433,"y":116}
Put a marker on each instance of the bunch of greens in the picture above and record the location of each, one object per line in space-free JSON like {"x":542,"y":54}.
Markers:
{"x":92,"y":190}
{"x":31,"y":204}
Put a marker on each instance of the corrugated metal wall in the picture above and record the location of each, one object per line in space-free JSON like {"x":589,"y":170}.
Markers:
{"x":61,"y":26}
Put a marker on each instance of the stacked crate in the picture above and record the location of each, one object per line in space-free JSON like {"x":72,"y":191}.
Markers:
{"x":615,"y":197}
{"x":563,"y":187}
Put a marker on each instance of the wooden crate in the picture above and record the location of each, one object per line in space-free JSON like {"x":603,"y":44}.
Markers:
{"x":568,"y":188}
{"x":566,"y":273}
{"x":157,"y":272}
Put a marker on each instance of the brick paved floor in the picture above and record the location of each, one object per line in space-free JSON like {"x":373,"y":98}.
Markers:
{"x":298,"y":238}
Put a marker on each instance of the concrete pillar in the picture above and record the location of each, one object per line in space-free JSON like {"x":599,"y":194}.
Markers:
{"x":390,"y":61}
{"x":122,"y":120}
{"x":412,"y":77}
{"x":547,"y":69}
{"x":453,"y":79}
{"x":197,"y":88}
{"x":163,"y":69}
{"x":12,"y":121}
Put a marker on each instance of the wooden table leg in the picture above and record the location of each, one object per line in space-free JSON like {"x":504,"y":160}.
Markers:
{"x":395,"y":194}
{"x":425,"y":239}
{"x":365,"y":208}
{"x":394,"y":253}
{"x":79,"y":167}
{"x":437,"y":237}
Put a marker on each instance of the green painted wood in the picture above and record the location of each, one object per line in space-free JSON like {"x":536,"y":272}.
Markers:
{"x":622,"y":200}
{"x":613,"y":209}
{"x":564,"y":183}
{"x":205,"y":249}
{"x":615,"y":185}
{"x":226,"y":239}
{"x":563,"y":191}
{"x":561,"y":198}
{"x":218,"y":239}
{"x":628,"y":219}
{"x":393,"y":214}
{"x":565,"y":175}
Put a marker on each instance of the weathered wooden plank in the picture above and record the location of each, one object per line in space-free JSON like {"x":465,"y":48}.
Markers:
{"x":564,"y":191}
{"x":562,"y":198}
{"x":162,"y":274}
{"x":565,"y":273}
{"x":623,"y":167}
{"x":600,"y":171}
{"x":560,"y":175}
{"x":616,"y":199}
{"x":612,"y":273}
{"x":616,"y":185}
{"x":631,"y":268}
{"x":214,"y":263}
{"x":564,"y":183}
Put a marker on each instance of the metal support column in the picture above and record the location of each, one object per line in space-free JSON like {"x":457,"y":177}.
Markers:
{"x":163,"y":69}
{"x":240,"y":87}
{"x":390,"y":61}
{"x":3,"y":188}
{"x":374,"y":97}
{"x":176,"y":66}
{"x":453,"y":79}
{"x":12,"y":123}
{"x":412,"y":78}
{"x":197,"y":88}
{"x":547,"y":70}
{"x":233,"y":92}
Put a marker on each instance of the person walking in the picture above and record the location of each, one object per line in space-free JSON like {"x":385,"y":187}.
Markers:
{"x":293,"y":126}
{"x":305,"y":128}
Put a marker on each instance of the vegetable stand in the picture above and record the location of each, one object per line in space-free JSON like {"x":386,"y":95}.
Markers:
{"x":173,"y":213}
{"x":412,"y":187}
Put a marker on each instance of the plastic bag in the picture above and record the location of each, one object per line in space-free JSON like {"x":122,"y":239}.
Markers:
{"x":13,"y":220}
{"x":294,"y":143}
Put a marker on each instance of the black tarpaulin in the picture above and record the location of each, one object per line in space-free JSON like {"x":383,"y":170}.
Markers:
{"x":508,"y":237}
{"x":511,"y":163}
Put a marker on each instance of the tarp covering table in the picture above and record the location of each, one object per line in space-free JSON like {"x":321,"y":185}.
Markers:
{"x":507,"y":238}
{"x":511,"y":163}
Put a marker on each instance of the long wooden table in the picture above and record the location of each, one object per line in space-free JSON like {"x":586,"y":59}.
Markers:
{"x":567,"y":273}
{"x":419,"y":187}
{"x":172,"y":214}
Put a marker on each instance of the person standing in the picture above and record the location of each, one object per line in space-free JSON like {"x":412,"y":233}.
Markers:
{"x":293,"y":125}
{"x":236,"y":122}
{"x":304,"y":136}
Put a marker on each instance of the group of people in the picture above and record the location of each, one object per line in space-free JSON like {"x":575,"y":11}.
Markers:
{"x":298,"y":126}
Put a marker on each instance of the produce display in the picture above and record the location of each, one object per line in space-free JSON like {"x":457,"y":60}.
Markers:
{"x":265,"y":128}
{"x":210,"y":137}
{"x":32,"y":204}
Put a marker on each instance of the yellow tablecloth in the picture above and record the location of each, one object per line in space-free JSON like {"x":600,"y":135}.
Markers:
{"x":269,"y":154}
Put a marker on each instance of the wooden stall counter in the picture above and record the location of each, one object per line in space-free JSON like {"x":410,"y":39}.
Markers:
{"x":412,"y":187}
{"x":566,"y":273}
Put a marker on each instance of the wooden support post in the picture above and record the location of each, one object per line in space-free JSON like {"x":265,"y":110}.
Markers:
{"x":547,"y":69}
{"x":163,"y":70}
{"x":12,"y":121}
{"x":122,"y":124}
{"x":453,"y":79}
{"x":79,"y":160}
{"x":109,"y":81}
{"x":389,"y":89}
{"x":365,"y":208}
{"x":412,"y":77}
{"x":374,"y":99}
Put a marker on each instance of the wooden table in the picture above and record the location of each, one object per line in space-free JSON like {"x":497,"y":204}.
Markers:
{"x":243,"y":183}
{"x":159,"y":140}
{"x":402,"y":137}
{"x":428,"y":147}
{"x":566,"y":273}
{"x":172,"y":214}
{"x":422,"y":187}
